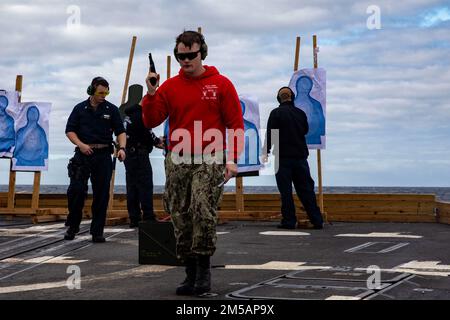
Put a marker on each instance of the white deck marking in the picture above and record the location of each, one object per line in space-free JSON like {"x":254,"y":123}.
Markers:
{"x":276,"y":265}
{"x":379,"y":235}
{"x":12,"y":231}
{"x":108,"y":230}
{"x":45,"y":260}
{"x":342,"y":298}
{"x":284,"y":233}
{"x":368,"y":244}
{"x":141,"y":270}
{"x":426,"y":268}
{"x":361,"y":246}
{"x":25,"y":233}
{"x":237,"y":252}
{"x":395,"y":247}
{"x":425,"y":265}
{"x":32,"y":287}
{"x":431,"y":268}
{"x":65,"y":243}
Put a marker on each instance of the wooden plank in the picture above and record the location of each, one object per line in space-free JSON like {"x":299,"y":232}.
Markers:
{"x":444,"y":208}
{"x":443,"y":212}
{"x":4,"y":200}
{"x":266,"y":208}
{"x":239,"y":194}
{"x":445,"y":220}
{"x":379,"y":196}
{"x":229,"y":199}
{"x":319,"y":177}
{"x":169,"y":64}
{"x":117,"y":213}
{"x":254,"y":216}
{"x":275,"y":200}
{"x":36,"y":186}
{"x":412,"y":208}
{"x":249,"y":204}
{"x":381,"y":218}
{"x":380,"y":213}
{"x":34,"y":212}
{"x":228,"y":204}
{"x":115,"y":221}
{"x":124,"y":213}
{"x":297,"y":54}
{"x":407,"y":206}
{"x":124,"y":95}
{"x":315,"y":51}
{"x":270,"y":196}
{"x":319,"y":154}
{"x":29,"y":211}
{"x":53,"y":211}
{"x":87,"y":215}
{"x":376,"y":204}
{"x":347,"y":197}
{"x":344,"y":200}
{"x":371,"y":202}
{"x":12,"y":189}
{"x":18,"y":211}
{"x":130,"y":63}
{"x":263,"y":203}
{"x":47,"y":218}
{"x":249,"y":215}
{"x":23,"y":201}
{"x":53,"y":203}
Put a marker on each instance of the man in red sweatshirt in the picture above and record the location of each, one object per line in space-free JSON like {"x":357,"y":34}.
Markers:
{"x":201,"y":104}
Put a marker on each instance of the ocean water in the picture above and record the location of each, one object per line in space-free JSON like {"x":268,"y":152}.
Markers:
{"x":442,"y":193}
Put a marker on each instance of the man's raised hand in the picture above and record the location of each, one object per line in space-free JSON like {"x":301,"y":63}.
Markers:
{"x":151,"y":89}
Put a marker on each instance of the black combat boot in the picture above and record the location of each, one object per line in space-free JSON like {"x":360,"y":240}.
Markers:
{"x":203,"y":278}
{"x":186,"y":288}
{"x":71,"y":232}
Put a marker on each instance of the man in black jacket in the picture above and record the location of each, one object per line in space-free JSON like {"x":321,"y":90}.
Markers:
{"x":139,"y":175}
{"x":291,"y":126}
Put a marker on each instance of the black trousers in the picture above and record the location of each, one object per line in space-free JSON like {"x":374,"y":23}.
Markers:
{"x":294,"y":171}
{"x":139,"y":178}
{"x":98,"y":168}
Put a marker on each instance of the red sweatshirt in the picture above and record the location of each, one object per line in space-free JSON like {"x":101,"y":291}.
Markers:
{"x":208,"y":101}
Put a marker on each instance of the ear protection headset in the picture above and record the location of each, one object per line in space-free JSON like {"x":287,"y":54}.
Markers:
{"x":282,"y":89}
{"x":91,"y":89}
{"x":203,"y":46}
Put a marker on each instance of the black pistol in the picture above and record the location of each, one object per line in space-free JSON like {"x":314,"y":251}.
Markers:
{"x":153,"y":80}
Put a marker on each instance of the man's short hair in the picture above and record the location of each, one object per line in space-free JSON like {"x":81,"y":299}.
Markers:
{"x":99,"y":81}
{"x":285,"y":94}
{"x":188,"y":38}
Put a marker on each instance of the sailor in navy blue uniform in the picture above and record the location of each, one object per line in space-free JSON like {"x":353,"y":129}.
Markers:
{"x":90,"y":127}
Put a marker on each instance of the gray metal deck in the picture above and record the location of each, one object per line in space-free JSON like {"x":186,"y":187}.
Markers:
{"x":254,"y":260}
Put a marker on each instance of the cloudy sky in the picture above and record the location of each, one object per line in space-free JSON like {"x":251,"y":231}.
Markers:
{"x":388,"y":89}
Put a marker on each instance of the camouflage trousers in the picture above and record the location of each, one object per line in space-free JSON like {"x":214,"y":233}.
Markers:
{"x":191,"y":196}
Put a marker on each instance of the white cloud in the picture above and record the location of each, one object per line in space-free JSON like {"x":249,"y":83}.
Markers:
{"x":436,"y":17}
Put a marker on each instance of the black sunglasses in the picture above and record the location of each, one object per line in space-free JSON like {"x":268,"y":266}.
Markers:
{"x":189,"y":55}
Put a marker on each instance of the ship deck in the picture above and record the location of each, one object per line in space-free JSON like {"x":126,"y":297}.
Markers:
{"x":254,"y":260}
